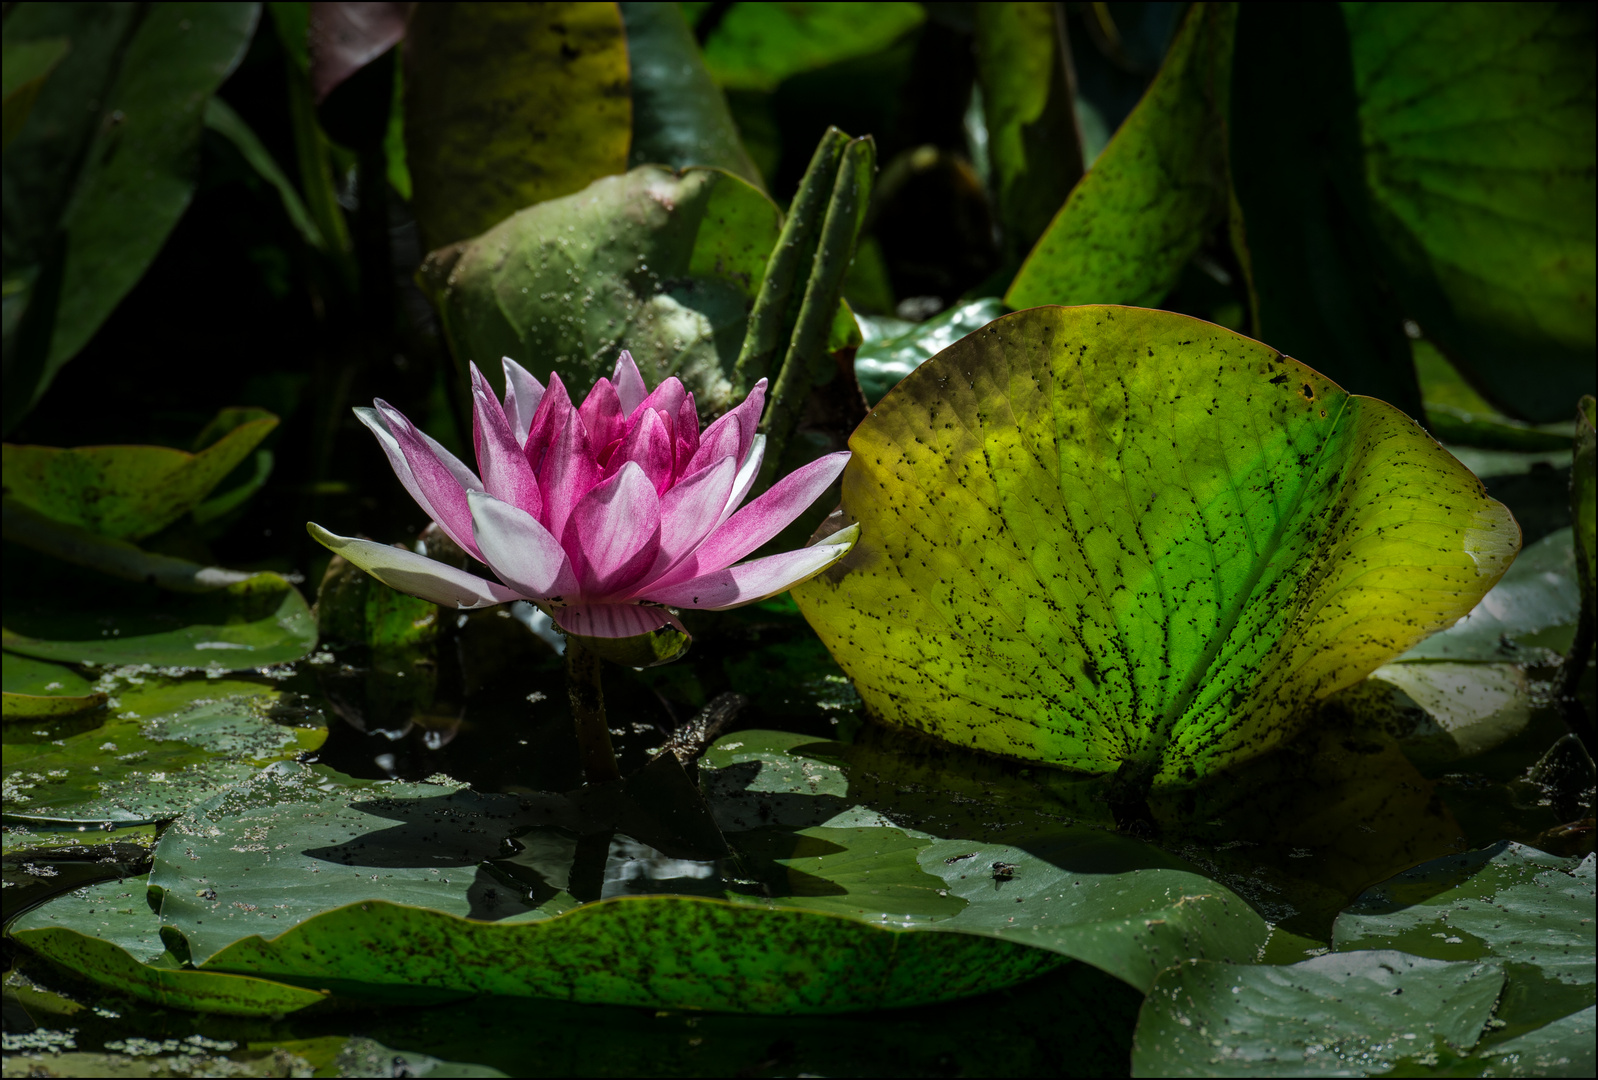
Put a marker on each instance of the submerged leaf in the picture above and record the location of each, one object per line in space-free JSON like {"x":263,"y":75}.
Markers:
{"x":1103,"y":536}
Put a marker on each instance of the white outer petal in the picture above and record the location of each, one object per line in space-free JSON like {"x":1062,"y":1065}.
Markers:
{"x":415,"y":574}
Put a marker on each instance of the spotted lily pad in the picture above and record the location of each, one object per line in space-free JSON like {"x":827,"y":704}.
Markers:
{"x":1106,"y":537}
{"x":1345,"y":1014}
{"x":1530,"y":911}
{"x":839,"y":891}
{"x":163,"y":745}
{"x":1529,"y":617}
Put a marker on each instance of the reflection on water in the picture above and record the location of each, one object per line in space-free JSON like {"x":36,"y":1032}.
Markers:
{"x":548,"y":860}
{"x":636,"y":869}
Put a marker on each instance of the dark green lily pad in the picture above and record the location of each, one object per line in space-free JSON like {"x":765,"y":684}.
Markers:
{"x":259,"y":621}
{"x":1346,"y":1014}
{"x":1529,"y":617}
{"x":841,"y":892}
{"x":1509,"y":903}
{"x":165,"y":745}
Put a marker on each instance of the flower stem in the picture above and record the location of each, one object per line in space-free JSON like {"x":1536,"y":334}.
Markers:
{"x":588,"y":713}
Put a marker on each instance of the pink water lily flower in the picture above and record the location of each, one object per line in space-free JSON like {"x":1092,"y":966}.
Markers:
{"x":604,"y":514}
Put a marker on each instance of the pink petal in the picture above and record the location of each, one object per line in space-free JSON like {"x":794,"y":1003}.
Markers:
{"x":520,"y":550}
{"x":553,"y":410}
{"x":630,"y":388}
{"x":569,"y":472}
{"x":506,"y":474}
{"x":685,"y":435}
{"x":747,"y":473}
{"x":756,"y":580}
{"x":522,"y":395}
{"x":602,"y":414}
{"x":613,"y":620}
{"x":648,"y":446}
{"x":666,"y":398}
{"x":416,"y":574}
{"x":760,"y":520}
{"x":689,"y":511}
{"x":440,"y":478}
{"x":614,"y":532}
{"x":736,"y":429}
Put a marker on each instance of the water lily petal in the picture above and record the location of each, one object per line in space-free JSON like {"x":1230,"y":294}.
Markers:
{"x":613,"y":620}
{"x":759,"y":578}
{"x":648,"y":445}
{"x":415,"y":574}
{"x":520,"y":550}
{"x":629,"y":383}
{"x":602,"y":414}
{"x":690,"y":510}
{"x":762,"y":519}
{"x":568,"y":473}
{"x":614,"y":532}
{"x":735,"y":429}
{"x":441,"y":481}
{"x":666,"y":398}
{"x":685,"y":436}
{"x":747,"y":474}
{"x":522,"y":394}
{"x":506,"y":474}
{"x":554,"y":408}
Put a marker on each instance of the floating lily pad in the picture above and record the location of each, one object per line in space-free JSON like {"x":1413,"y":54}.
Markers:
{"x":1530,"y":911}
{"x":165,"y":745}
{"x":837,"y":895}
{"x":1104,"y":536}
{"x":1444,"y":712}
{"x":35,"y":688}
{"x":259,"y":621}
{"x":109,"y":932}
{"x":1338,"y":1015}
{"x":1529,"y":617}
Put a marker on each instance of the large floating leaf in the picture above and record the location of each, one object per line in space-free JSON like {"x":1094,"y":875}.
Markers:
{"x":126,"y":492}
{"x":163,"y":746}
{"x":1095,"y":536}
{"x":112,"y":151}
{"x":109,"y":932}
{"x":251,"y":623}
{"x":1138,"y":216}
{"x":1479,"y":156}
{"x":510,"y":104}
{"x":826,"y":904}
{"x":1531,"y":911}
{"x":1339,"y":1015}
{"x":661,"y":263}
{"x":1528,"y":617}
{"x":756,"y":46}
{"x":680,"y":117}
